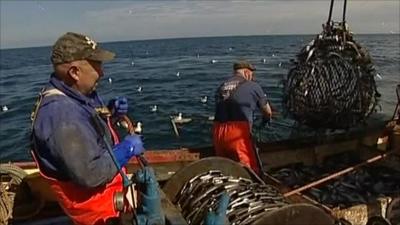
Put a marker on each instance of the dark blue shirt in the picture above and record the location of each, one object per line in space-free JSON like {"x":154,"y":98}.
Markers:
{"x":237,"y":99}
{"x":66,"y":144}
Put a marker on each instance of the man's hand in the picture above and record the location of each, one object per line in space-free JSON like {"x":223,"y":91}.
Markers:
{"x":118,"y":106}
{"x":132,"y":145}
{"x":135,"y":144}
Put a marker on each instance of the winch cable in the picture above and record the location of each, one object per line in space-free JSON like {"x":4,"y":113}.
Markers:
{"x":331,"y":84}
{"x":344,"y":11}
{"x":330,"y":12}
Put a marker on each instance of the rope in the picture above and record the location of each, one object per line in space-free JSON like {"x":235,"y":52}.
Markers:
{"x":16,"y":199}
{"x":6,"y":205}
{"x":331,"y":84}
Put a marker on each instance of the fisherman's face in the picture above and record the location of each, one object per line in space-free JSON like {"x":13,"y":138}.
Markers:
{"x":90,"y":73}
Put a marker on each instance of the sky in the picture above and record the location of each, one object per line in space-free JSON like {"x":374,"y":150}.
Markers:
{"x":40,"y":23}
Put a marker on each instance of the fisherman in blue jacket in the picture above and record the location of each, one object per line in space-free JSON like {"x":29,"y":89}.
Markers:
{"x":69,"y":149}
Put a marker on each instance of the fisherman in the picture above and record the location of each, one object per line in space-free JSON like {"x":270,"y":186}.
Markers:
{"x":68,"y":146}
{"x":236,"y":101}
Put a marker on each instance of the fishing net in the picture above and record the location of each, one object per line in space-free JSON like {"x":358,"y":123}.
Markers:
{"x":331,"y":84}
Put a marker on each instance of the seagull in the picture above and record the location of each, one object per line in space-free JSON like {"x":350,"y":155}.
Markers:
{"x":264,"y":60}
{"x":177,"y":74}
{"x":203,"y":99}
{"x":213,"y":61}
{"x":4,"y":108}
{"x":273,"y":55}
{"x":153,"y":108}
{"x":280,"y":64}
{"x":211,"y":118}
{"x":110,"y":80}
{"x":179,"y":117}
{"x":139,"y":89}
{"x":132,"y":63}
{"x":41,"y":7}
{"x":138,"y":128}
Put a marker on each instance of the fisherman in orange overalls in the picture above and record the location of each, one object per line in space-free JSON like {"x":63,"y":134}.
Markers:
{"x":70,"y":148}
{"x":236,"y":100}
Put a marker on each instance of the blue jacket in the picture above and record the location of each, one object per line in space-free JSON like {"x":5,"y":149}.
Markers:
{"x":65,"y":142}
{"x":236,"y":100}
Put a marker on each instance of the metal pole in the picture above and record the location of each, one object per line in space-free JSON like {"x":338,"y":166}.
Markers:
{"x":337,"y":174}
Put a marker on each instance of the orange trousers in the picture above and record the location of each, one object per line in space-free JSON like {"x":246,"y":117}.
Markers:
{"x":233,"y":140}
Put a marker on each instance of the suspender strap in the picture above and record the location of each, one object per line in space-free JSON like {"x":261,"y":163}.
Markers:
{"x":43,"y":93}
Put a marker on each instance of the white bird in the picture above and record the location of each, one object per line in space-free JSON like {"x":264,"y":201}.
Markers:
{"x":4,"y":108}
{"x":132,"y":63}
{"x":280,"y":64}
{"x":203,"y":99}
{"x":138,"y":128}
{"x":211,"y":118}
{"x":139,"y":89}
{"x":153,"y":108}
{"x":110,"y":80}
{"x":379,"y":76}
{"x":273,"y":55}
{"x":178,"y":74}
{"x":264,"y":60}
{"x":179,"y":117}
{"x":213,"y":61}
{"x":41,"y":7}
{"x":230,"y":49}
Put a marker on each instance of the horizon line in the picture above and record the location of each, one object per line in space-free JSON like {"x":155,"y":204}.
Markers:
{"x":174,"y":38}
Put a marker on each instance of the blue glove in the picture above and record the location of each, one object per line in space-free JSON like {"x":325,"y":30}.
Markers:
{"x":118,"y":106}
{"x":132,"y":145}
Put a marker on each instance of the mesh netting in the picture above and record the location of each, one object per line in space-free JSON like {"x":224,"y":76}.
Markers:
{"x":331,"y":84}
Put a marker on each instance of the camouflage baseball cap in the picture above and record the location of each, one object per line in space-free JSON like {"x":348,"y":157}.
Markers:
{"x":243,"y":65}
{"x":72,"y":46}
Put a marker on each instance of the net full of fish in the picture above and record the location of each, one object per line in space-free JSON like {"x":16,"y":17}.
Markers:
{"x":331,"y":84}
{"x":248,"y":200}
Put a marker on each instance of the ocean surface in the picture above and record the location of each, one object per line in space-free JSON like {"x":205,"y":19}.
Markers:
{"x":174,"y":74}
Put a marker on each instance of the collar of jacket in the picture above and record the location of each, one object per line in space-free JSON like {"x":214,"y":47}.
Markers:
{"x":92,"y":100}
